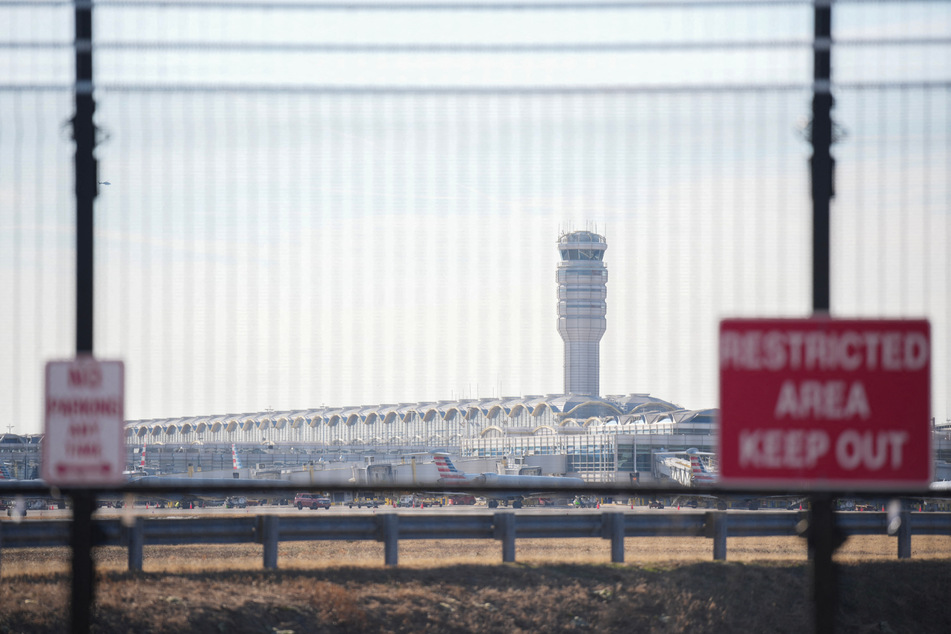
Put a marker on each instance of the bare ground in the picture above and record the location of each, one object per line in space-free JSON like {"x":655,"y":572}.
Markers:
{"x":667,"y":584}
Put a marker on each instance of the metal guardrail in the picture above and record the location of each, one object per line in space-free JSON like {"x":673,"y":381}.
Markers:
{"x":504,"y":526}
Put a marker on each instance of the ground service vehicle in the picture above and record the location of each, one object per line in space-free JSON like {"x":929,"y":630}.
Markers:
{"x":367,"y":502}
{"x":236,"y":502}
{"x":311,"y":501}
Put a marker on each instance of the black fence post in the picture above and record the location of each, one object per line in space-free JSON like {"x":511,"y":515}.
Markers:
{"x":821,"y":162}
{"x":824,"y":538}
{"x":83,"y":593}
{"x":84,"y":133}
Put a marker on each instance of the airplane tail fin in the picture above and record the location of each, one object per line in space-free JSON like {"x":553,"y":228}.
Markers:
{"x":142,"y":460}
{"x":5,"y":473}
{"x":700,"y":472}
{"x":696,"y":466}
{"x":447,"y":470}
{"x":235,"y":463}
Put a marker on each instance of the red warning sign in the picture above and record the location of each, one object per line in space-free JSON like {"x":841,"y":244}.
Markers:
{"x":820,"y":404}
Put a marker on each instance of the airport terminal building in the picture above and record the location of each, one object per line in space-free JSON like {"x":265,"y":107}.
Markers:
{"x":599,"y":439}
{"x":578,"y":432}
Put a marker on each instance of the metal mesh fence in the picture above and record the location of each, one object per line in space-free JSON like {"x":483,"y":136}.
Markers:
{"x":359,"y":203}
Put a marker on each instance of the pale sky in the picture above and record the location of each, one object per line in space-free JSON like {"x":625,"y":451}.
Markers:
{"x":308,"y":241}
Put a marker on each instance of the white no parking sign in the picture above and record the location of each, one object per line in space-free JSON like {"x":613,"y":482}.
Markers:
{"x":83,"y":443}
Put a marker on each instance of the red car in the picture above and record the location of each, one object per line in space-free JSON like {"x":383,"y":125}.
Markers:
{"x":311,"y":501}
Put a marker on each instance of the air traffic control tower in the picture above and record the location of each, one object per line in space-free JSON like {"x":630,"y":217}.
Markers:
{"x":582,"y":290}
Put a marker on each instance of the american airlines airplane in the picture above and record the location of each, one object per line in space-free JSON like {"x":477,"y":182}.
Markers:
{"x":521,"y":485}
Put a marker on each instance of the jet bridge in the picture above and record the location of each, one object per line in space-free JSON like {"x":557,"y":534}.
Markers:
{"x":670,"y":465}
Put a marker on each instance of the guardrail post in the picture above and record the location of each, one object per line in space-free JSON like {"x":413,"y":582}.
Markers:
{"x":612,"y":527}
{"x":505,"y":530}
{"x":904,"y":535}
{"x":269,"y":534}
{"x":135,"y":540}
{"x":391,"y":538}
{"x":718,"y":530}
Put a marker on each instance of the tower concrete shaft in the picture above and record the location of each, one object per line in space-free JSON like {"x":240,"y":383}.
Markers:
{"x":582,"y":290}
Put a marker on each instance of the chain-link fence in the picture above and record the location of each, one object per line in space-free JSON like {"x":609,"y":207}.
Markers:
{"x":352,"y":203}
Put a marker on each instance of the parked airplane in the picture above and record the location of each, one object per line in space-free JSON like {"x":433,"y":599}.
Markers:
{"x":522,"y":485}
{"x":17,"y":505}
{"x":701,"y":476}
{"x":139,"y":475}
{"x":198,"y":499}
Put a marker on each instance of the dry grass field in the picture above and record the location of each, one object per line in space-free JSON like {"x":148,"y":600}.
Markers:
{"x":666,"y":585}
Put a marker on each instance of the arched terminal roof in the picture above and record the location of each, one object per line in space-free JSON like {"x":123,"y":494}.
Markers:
{"x":567,"y":413}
